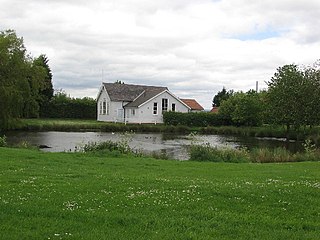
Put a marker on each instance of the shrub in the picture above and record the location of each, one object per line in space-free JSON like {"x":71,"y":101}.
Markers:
{"x":194,"y":119}
{"x":266,"y":155}
{"x":213,"y":154}
{"x":102,"y":146}
{"x":62,"y":106}
{"x":3,"y":141}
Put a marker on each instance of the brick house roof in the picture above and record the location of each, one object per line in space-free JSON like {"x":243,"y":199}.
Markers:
{"x":193,"y":104}
{"x":214,"y":109}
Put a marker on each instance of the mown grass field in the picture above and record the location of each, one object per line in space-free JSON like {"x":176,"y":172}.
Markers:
{"x":95,"y":196}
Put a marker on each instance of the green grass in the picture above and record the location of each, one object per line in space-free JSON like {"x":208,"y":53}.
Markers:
{"x":95,"y":196}
{"x":93,"y":125}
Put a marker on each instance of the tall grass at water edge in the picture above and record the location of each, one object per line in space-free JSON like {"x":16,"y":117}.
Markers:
{"x":205,"y":152}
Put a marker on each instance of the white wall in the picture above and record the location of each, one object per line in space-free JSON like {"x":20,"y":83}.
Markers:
{"x":112,"y":114}
{"x":144,"y":114}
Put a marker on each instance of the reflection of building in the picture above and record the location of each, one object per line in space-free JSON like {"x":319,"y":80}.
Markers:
{"x":129,"y":103}
{"x":193,"y":104}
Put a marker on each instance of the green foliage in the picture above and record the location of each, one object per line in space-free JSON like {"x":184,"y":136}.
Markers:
{"x":206,"y":152}
{"x":102,"y":146}
{"x":62,"y":106}
{"x":243,"y":109}
{"x":278,"y":155}
{"x":266,"y":155}
{"x":3,"y":141}
{"x":308,"y":146}
{"x":293,"y":96}
{"x":20,"y":80}
{"x":46,"y":89}
{"x":194,"y":119}
{"x":221,"y":96}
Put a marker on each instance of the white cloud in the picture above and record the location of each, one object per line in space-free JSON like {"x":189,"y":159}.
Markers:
{"x":193,"y":47}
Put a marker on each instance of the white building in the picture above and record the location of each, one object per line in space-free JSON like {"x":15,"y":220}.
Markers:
{"x":129,"y":103}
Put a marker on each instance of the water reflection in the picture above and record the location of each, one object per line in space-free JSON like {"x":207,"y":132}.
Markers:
{"x":175,"y":146}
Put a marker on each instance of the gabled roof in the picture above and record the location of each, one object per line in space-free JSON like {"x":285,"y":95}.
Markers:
{"x":145,"y":96}
{"x":193,"y":104}
{"x":134,"y":94}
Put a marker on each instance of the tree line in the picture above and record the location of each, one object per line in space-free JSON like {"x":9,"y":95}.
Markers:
{"x":26,"y":89}
{"x":292,"y":99}
{"x":25,"y":82}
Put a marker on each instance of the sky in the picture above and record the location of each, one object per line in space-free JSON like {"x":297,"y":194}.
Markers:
{"x":193,"y":47}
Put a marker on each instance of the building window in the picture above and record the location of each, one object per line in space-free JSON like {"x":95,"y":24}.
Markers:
{"x":133,"y":112}
{"x":108,"y":108}
{"x":104,"y":107}
{"x":173,"y":107}
{"x":155,"y":108}
{"x":164,"y":104}
{"x":100,"y":107}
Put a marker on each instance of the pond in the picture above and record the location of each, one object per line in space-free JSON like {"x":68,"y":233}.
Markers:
{"x":175,"y":146}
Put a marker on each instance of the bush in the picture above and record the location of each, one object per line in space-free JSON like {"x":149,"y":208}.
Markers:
{"x":194,"y":119}
{"x":102,"y":146}
{"x":62,"y":106}
{"x":213,"y":154}
{"x":3,"y":141}
{"x":265,"y":155}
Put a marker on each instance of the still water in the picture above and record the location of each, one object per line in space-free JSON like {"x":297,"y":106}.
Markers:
{"x":175,"y":146}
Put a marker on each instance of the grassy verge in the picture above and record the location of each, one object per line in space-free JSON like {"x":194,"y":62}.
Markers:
{"x":96,"y":196}
{"x":93,"y":125}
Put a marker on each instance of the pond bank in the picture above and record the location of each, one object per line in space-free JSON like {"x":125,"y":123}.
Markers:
{"x":175,"y":146}
{"x":95,"y":126}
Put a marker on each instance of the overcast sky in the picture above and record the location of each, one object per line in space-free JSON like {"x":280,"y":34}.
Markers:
{"x":192,"y":47}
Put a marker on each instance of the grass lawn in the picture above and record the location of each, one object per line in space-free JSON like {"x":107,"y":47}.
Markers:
{"x":95,"y":196}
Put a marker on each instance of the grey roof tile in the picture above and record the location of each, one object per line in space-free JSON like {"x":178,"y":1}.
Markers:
{"x":134,"y":94}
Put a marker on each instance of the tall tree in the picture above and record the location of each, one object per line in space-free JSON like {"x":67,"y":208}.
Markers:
{"x":293,"y":97}
{"x":46,"y":89}
{"x":12,"y":77}
{"x":284,"y":95}
{"x":311,"y":109}
{"x":243,"y":109}
{"x":20,"y":80}
{"x":221,"y":96}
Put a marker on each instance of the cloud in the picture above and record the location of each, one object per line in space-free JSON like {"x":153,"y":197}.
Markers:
{"x":193,"y":47}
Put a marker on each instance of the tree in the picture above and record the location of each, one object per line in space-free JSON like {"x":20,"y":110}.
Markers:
{"x":20,"y":80}
{"x":221,"y":96}
{"x":311,"y":109}
{"x":293,"y":97}
{"x":12,"y":77}
{"x":243,"y":109}
{"x":46,"y":90}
